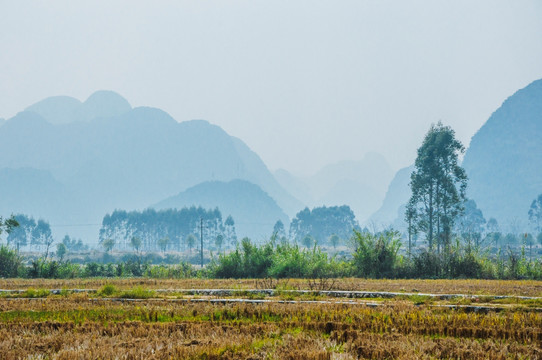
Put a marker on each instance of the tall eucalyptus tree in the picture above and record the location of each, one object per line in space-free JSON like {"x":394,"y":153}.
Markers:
{"x":438,"y":186}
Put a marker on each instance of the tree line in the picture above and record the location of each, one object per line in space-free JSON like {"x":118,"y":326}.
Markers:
{"x":164,"y":230}
{"x":323,"y":225}
{"x":372,"y":255}
{"x":30,"y":234}
{"x":179,"y":230}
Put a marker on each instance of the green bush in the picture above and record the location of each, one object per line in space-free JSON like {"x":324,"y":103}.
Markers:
{"x":33,"y":293}
{"x":92,"y":269}
{"x":277,"y":261}
{"x":292,"y":261}
{"x":11,"y":264}
{"x":247,"y":261}
{"x":108,"y":290}
{"x":67,"y":270}
{"x":289,"y":261}
{"x":137,"y":293}
{"x":376,"y":255}
{"x":180,"y":271}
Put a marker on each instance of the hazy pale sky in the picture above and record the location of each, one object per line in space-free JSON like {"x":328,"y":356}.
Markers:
{"x":303,"y":83}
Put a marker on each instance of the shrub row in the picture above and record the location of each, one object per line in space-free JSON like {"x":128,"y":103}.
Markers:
{"x":372,"y":256}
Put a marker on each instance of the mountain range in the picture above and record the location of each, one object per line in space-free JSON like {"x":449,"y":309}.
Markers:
{"x":80,"y":160}
{"x":71,"y":162}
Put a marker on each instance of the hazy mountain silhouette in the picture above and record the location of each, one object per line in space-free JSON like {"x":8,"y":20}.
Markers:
{"x":396,"y":198}
{"x":295,"y":186}
{"x":111,"y":156}
{"x":504,"y":159}
{"x":253,"y":210}
{"x":66,"y":109}
{"x":360,"y":184}
{"x":254,"y":170}
{"x":31,"y":190}
{"x":103,"y":104}
{"x":57,"y":109}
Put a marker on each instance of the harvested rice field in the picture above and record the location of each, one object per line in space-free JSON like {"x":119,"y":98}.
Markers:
{"x":295,"y":319}
{"x":473,"y":287}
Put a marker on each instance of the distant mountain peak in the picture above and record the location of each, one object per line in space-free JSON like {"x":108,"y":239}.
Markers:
{"x":101,"y":96}
{"x":254,"y":211}
{"x":56,"y":109}
{"x":397,"y":195}
{"x":104,"y":104}
{"x":504,"y":158}
{"x":375,"y":157}
{"x":108,"y":155}
{"x":59,"y":110}
{"x":522,"y":108}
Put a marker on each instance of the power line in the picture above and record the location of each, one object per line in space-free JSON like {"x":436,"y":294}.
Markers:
{"x":201,"y":238}
{"x":73,"y":225}
{"x":236,"y":223}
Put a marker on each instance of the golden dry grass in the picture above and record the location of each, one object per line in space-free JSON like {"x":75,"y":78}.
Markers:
{"x":79,"y":327}
{"x":478,"y":287}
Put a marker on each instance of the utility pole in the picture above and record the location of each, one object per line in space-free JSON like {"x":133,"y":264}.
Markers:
{"x":410,"y":214}
{"x":409,"y":235}
{"x":201,"y":239}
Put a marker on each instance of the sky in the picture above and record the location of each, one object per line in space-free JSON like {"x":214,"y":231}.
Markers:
{"x":303,"y":83}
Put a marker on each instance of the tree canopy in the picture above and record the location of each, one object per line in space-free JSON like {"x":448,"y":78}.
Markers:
{"x":322,"y":222}
{"x":8,"y":225}
{"x":31,"y":233}
{"x":438,"y":186}
{"x":470,"y":224}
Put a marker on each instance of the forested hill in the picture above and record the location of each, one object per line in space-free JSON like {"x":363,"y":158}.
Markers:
{"x":253,"y":210}
{"x":108,"y":156}
{"x":504,"y":159}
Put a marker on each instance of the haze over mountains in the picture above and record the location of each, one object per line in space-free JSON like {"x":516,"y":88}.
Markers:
{"x":253,"y":210}
{"x":360,"y":184}
{"x":65,"y":109}
{"x":504,"y":159}
{"x":503,"y":163}
{"x":396,"y":198}
{"x":71,"y":162}
{"x":111,"y":156}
